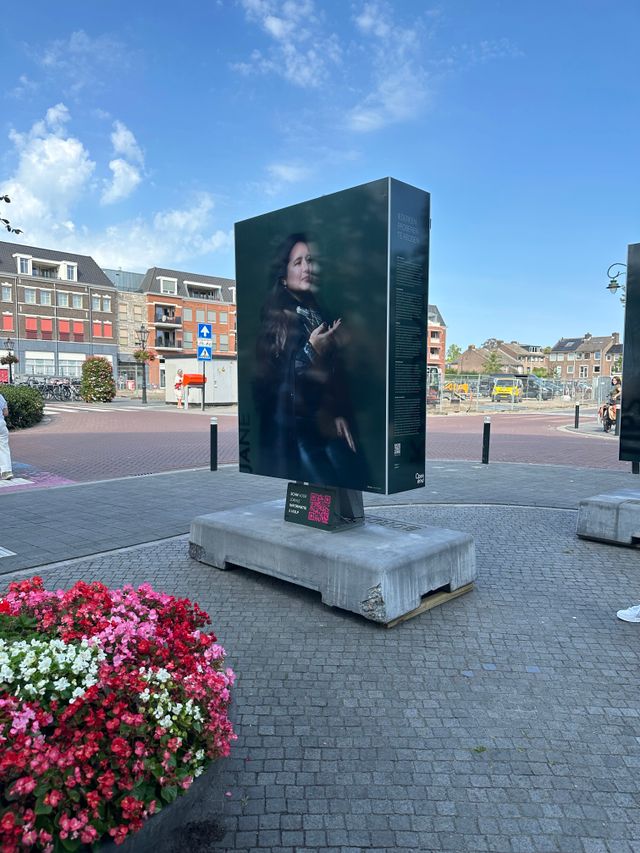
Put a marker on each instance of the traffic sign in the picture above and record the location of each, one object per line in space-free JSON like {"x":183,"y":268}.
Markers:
{"x":204,"y":353}
{"x":204,"y":331}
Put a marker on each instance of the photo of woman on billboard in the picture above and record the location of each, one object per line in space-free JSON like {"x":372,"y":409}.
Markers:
{"x":307,"y":429}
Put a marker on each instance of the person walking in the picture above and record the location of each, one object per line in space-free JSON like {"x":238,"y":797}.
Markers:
{"x":179,"y":387}
{"x":5,"y":455}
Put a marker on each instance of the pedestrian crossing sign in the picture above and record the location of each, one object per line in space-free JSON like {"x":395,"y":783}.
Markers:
{"x":204,"y":353}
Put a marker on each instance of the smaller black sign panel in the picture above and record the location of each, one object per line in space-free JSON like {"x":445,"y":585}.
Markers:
{"x":313,"y":506}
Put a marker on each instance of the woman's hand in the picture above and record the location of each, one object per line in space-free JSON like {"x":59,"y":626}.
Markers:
{"x":322,"y":337}
{"x":342,"y":428}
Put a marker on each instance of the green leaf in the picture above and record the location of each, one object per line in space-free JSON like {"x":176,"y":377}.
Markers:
{"x":43,"y":808}
{"x":169,"y":793}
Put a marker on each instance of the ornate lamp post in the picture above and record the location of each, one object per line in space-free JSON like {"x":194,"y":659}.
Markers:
{"x":142,"y":334}
{"x":614,"y":285}
{"x":10,"y":358}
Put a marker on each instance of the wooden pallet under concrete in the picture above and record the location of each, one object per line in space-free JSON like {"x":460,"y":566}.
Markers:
{"x":432,"y":599}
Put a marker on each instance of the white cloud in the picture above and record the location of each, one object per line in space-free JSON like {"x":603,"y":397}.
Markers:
{"x":25,"y":87}
{"x":82,"y":61}
{"x":399,"y":83}
{"x":124,"y":142}
{"x":125,"y":175}
{"x":125,"y":179}
{"x":300,"y":52}
{"x":55,"y":179}
{"x":54,"y":169}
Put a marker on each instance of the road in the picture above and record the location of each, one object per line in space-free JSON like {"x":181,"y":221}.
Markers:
{"x":87,"y":442}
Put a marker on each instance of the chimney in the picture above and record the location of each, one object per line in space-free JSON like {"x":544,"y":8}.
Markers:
{"x":615,"y":337}
{"x":587,"y":336}
{"x":472,"y":346}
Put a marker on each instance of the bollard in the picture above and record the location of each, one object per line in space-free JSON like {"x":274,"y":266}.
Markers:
{"x":617,"y":427}
{"x":635,"y":467}
{"x":577,"y":419}
{"x":486,"y":434}
{"x":214,"y":444}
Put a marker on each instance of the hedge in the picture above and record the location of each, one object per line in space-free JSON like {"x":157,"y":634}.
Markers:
{"x":26,"y":405}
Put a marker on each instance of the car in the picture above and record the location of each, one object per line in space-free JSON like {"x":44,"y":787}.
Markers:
{"x":507,"y":388}
{"x":535,"y":389}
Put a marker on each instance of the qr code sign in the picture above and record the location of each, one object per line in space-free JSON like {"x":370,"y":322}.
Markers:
{"x":319,"y":506}
{"x":396,"y":449}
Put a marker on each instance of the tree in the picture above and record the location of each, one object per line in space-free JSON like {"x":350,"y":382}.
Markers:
{"x":97,"y":384}
{"x":5,"y":222}
{"x":454,"y":352}
{"x":491,"y":344}
{"x":492,"y":363}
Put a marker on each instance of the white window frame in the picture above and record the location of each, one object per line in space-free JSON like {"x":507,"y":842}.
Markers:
{"x":168,"y":286}
{"x":44,"y":295}
{"x":27,"y":296}
{"x":3,"y":290}
{"x":74,"y":297}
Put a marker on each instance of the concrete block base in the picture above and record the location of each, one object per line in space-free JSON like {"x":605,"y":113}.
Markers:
{"x":381,"y":569}
{"x":612,"y":517}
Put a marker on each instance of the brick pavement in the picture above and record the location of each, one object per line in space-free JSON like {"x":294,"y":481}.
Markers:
{"x":506,"y":721}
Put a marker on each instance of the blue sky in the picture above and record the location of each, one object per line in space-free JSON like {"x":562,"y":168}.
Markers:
{"x":139,"y":133}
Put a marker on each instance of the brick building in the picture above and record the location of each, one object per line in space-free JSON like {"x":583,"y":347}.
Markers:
{"x":436,"y":343}
{"x":171,"y":303}
{"x":57,"y":308}
{"x":585,"y":358}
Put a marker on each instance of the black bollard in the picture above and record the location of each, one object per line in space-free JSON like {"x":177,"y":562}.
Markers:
{"x":486,"y":435}
{"x":617,"y":427}
{"x":577,"y":419}
{"x":214,"y":444}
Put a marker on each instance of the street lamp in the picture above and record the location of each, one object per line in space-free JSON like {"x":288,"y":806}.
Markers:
{"x":9,"y":347}
{"x":141,"y":334}
{"x":614,"y":285}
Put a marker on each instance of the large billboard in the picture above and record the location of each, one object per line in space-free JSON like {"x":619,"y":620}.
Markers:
{"x":332,"y":299}
{"x":630,"y":420}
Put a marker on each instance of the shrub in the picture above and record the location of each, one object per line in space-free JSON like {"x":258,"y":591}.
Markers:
{"x":26,"y":405}
{"x":111,"y":702}
{"x":97,"y":384}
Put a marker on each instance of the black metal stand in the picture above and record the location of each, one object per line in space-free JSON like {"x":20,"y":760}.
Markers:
{"x":486,"y":437}
{"x":214,"y":442}
{"x":577,"y":418}
{"x":144,"y":381}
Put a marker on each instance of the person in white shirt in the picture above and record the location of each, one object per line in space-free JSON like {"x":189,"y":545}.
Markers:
{"x":5,"y":455}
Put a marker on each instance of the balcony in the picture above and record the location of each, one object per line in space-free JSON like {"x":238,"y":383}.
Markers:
{"x":167,"y":319}
{"x":167,"y":340}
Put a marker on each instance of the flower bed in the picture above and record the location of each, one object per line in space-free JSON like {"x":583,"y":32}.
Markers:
{"x":111,"y":702}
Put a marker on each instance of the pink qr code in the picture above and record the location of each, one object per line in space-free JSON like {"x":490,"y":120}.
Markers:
{"x":319,"y":508}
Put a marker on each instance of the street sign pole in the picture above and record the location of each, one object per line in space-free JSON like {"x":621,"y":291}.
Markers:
{"x":203,"y":383}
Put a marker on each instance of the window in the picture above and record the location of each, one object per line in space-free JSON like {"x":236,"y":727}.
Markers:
{"x":123,"y":338}
{"x":224,"y":343}
{"x":95,"y":303}
{"x":6,"y":293}
{"x":107,"y":329}
{"x":63,"y":300}
{"x":24,"y":266}
{"x":169,"y":285}
{"x":552,"y":357}
{"x":199,"y":316}
{"x":97,"y":329}
{"x":71,"y":273}
{"x":187,"y":314}
{"x":30,"y":296}
{"x":587,"y":355}
{"x":224,"y":317}
{"x":78,"y":330}
{"x":596,"y":369}
{"x":211,"y":316}
{"x":187,"y":340}
{"x":7,"y":322}
{"x":106,"y":304}
{"x":64,"y":330}
{"x":31,"y":327}
{"x":123,"y":310}
{"x":571,"y":356}
{"x":584,"y":371}
{"x":570,"y":368}
{"x":39,"y":364}
{"x":70,"y":367}
{"x":137,"y":312}
{"x":76,"y":300}
{"x":560,"y":356}
{"x":596,"y":355}
{"x":45,"y":297}
{"x":45,"y":272}
{"x":46,"y":328}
